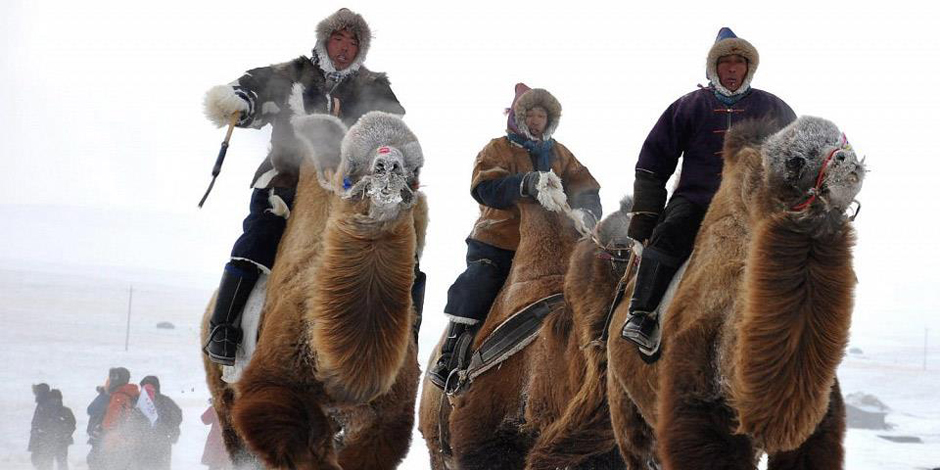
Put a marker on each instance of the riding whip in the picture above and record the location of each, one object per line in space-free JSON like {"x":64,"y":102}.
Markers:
{"x":218,"y":161}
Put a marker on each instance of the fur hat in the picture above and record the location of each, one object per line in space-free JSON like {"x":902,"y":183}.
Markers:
{"x":344,"y":18}
{"x":727,"y":43}
{"x":379,"y":129}
{"x":530,"y":99}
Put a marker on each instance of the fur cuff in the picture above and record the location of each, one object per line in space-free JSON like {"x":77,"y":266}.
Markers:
{"x":221,"y":102}
{"x":551,"y":194}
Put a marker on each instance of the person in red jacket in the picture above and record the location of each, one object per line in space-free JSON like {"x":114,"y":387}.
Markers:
{"x":120,"y":438}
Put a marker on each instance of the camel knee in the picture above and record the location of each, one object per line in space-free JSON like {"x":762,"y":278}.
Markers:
{"x":285,"y":427}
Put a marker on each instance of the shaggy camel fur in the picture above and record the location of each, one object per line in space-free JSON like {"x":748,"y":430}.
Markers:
{"x":333,"y":381}
{"x":495,"y":422}
{"x":760,"y":321}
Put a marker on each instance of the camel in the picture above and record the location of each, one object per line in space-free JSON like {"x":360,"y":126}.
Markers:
{"x":333,"y":381}
{"x":759,"y":323}
{"x":496,"y":420}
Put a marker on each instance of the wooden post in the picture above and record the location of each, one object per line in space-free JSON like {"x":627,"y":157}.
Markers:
{"x":127,"y":335}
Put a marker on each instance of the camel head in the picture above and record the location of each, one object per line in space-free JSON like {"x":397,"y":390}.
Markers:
{"x":810,"y":166}
{"x":374,"y":165}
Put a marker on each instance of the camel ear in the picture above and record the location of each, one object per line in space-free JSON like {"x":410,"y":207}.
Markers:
{"x":322,"y":135}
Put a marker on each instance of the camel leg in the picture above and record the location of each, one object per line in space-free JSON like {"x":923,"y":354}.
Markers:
{"x":823,"y":450}
{"x":483,"y":434}
{"x":581,"y":433}
{"x":611,"y":460}
{"x":384,"y":443}
{"x":696,"y":433}
{"x":634,"y":436}
{"x":284,"y":424}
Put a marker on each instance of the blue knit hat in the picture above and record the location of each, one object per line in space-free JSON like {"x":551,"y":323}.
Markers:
{"x":725,"y":33}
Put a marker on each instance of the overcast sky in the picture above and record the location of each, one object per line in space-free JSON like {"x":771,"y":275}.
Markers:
{"x":101,"y":111}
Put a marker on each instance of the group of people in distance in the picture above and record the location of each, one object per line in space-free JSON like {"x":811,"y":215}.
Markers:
{"x":130,"y":426}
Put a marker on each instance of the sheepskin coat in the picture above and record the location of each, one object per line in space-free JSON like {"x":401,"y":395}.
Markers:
{"x":504,"y":160}
{"x":272,"y":88}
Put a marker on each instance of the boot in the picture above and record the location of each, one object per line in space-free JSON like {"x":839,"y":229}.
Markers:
{"x":448,"y":359}
{"x":225,"y":334}
{"x":652,"y":279}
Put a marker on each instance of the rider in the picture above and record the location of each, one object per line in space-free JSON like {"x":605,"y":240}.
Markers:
{"x":333,"y":80}
{"x":507,"y":172}
{"x":693,"y":127}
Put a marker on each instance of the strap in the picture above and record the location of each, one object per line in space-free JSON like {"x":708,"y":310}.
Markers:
{"x":510,"y":337}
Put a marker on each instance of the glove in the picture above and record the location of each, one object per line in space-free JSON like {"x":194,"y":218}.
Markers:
{"x":224,"y":100}
{"x":641,"y":226}
{"x":530,"y":185}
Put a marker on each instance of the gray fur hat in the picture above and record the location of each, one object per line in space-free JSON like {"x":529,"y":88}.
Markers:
{"x":530,"y":99}
{"x":378,"y":129}
{"x":727,"y":43}
{"x":344,"y":18}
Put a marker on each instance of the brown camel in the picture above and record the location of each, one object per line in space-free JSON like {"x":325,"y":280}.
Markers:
{"x":333,"y":381}
{"x":760,"y":321}
{"x":495,"y":421}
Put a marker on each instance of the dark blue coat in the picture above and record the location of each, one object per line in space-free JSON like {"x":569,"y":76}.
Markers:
{"x":694,"y":127}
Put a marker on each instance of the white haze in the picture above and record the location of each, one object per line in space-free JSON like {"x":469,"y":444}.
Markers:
{"x":106,"y":152}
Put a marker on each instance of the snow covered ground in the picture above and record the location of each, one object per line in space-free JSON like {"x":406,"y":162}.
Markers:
{"x":67,"y":324}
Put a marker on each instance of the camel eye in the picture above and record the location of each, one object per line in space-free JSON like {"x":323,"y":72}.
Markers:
{"x":795,"y":164}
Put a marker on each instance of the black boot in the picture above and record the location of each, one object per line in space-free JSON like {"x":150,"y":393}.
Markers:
{"x":439,"y":373}
{"x":225,"y":333}
{"x":652,"y":279}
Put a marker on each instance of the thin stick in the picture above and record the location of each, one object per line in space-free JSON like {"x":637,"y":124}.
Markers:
{"x":217,"y":168}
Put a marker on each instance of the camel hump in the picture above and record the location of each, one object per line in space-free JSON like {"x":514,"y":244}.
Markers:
{"x":612,"y":231}
{"x":323,"y":135}
{"x":749,"y":133}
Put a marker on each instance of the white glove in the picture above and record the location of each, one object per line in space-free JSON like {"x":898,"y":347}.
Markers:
{"x":224,"y":100}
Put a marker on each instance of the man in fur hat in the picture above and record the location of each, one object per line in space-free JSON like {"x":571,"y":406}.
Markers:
{"x":333,"y":80}
{"x":507,"y":173}
{"x":692,"y":127}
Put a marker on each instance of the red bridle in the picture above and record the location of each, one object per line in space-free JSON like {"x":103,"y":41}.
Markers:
{"x":814,"y":191}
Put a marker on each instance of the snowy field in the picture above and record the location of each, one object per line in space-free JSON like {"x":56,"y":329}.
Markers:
{"x":67,"y":324}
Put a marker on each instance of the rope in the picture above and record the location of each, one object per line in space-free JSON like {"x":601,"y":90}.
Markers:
{"x":814,"y":191}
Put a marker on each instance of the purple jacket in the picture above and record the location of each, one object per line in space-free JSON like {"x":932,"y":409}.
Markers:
{"x":693,"y":127}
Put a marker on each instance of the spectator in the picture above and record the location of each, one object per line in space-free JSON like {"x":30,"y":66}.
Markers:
{"x":214,"y":454}
{"x":164,"y":430}
{"x":96,"y":410}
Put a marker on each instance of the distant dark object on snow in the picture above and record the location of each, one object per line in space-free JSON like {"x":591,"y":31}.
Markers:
{"x":863,"y":411}
{"x":855,"y":351}
{"x":165,"y":325}
{"x":903,"y":439}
